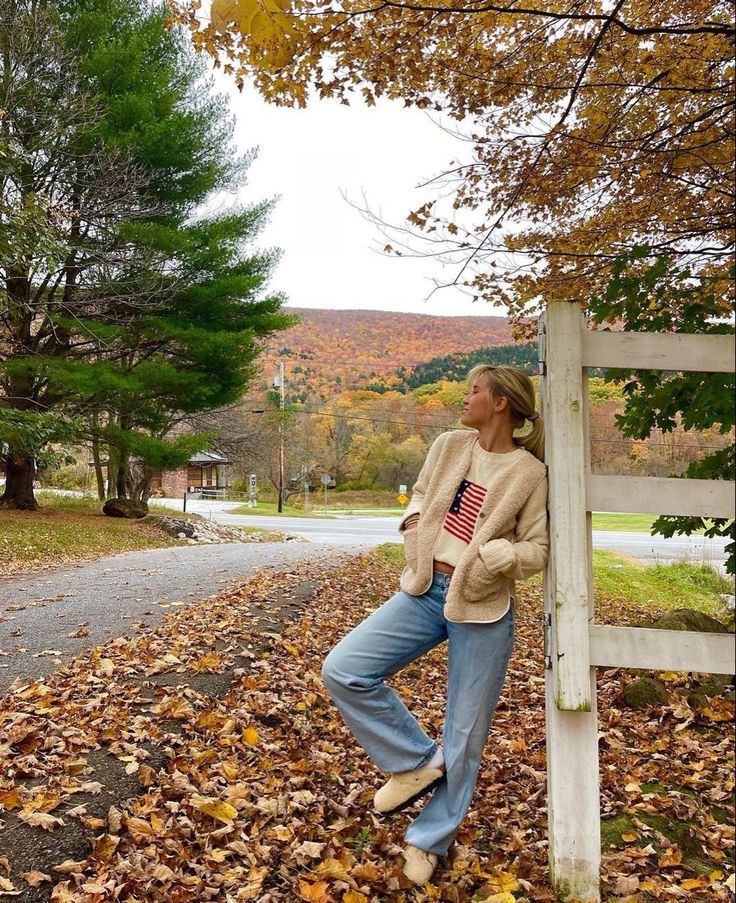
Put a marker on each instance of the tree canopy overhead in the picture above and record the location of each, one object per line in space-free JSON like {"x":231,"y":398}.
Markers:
{"x":594,"y":127}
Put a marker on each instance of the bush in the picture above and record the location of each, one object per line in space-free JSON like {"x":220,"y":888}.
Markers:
{"x":73,"y":476}
{"x":359,"y":486}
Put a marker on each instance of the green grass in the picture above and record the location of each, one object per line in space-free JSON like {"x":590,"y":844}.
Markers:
{"x":90,"y":504}
{"x":633,"y":523}
{"x":662,"y":587}
{"x":270,"y":509}
{"x":69,"y":528}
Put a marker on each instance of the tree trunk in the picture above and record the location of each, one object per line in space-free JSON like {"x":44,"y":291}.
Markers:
{"x":101,"y":494}
{"x":19,"y":471}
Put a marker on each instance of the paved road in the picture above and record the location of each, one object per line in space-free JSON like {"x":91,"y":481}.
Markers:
{"x":347,"y":530}
{"x":113,"y":595}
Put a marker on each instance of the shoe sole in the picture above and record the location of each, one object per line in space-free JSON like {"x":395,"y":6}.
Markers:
{"x":412,"y":799}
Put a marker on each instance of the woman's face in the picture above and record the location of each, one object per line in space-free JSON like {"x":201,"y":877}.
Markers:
{"x":477,"y":405}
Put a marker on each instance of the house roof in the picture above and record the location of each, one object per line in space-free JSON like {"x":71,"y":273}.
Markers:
{"x":204,"y":457}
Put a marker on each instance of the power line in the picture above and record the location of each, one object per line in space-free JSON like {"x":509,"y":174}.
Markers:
{"x":368,"y":419}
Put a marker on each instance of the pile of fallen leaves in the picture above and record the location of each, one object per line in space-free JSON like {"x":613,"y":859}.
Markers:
{"x":260,"y":793}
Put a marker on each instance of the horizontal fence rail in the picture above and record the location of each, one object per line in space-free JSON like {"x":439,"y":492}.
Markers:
{"x":661,"y":495}
{"x":662,"y":650}
{"x":659,"y":351}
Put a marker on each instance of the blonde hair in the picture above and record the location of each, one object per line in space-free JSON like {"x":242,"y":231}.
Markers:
{"x":515,"y":385}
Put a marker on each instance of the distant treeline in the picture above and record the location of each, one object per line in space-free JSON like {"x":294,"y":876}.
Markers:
{"x":456,"y":366}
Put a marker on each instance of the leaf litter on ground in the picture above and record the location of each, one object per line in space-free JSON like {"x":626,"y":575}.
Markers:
{"x":262,"y":794}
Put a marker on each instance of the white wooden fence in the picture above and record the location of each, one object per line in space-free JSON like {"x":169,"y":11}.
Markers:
{"x":575,"y":646}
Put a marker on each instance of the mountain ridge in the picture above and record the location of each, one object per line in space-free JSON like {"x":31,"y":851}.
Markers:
{"x":331,"y":350}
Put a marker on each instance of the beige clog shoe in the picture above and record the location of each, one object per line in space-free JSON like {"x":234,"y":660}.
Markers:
{"x":404,"y":787}
{"x":419,"y":865}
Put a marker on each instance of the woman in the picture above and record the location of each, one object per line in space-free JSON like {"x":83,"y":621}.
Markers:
{"x":477,"y":520}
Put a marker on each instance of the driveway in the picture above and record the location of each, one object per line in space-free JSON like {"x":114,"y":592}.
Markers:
{"x":119,"y":594}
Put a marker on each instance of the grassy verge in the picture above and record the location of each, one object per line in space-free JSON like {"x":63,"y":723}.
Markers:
{"x":631,"y":523}
{"x":662,"y":587}
{"x":270,"y":509}
{"x":69,"y":528}
{"x":622,"y":582}
{"x":88,"y":504}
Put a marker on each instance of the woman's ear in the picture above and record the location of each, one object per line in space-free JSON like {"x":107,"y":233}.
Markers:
{"x":500,"y":403}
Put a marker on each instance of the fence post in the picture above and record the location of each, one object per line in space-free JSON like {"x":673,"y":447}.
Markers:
{"x":185,"y":503}
{"x":572,"y":742}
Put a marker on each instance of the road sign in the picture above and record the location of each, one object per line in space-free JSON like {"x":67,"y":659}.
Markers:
{"x":402,"y":499}
{"x":402,"y":489}
{"x":325,"y":479}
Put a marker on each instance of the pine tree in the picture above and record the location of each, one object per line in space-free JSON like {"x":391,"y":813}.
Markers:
{"x":144,"y":309}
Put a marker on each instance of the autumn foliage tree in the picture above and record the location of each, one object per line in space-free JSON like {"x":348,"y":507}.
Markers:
{"x":594,"y":127}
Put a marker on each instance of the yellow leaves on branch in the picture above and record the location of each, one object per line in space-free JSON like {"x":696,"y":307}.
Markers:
{"x":265,"y":22}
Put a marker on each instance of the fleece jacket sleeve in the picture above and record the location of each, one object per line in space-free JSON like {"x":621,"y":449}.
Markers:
{"x":527,"y":555}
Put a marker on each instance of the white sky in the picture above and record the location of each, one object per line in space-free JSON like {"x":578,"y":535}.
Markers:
{"x":310,"y":158}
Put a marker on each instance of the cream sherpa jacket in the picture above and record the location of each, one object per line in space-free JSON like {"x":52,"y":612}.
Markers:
{"x":510,"y":539}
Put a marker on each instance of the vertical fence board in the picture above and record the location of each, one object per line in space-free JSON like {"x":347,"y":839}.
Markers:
{"x":572,"y":741}
{"x":565,"y":453}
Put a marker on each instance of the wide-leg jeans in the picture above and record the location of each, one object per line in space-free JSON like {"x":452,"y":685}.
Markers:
{"x":397,"y":633}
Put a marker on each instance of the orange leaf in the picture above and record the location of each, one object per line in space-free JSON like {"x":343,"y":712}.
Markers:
{"x":315,"y":893}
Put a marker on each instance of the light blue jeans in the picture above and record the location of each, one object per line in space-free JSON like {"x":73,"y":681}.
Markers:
{"x":400,"y":631}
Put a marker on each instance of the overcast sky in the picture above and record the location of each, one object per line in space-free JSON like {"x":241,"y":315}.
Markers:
{"x":310,"y":158}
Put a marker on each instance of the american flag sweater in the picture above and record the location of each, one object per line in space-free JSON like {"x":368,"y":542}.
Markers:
{"x":462,"y":515}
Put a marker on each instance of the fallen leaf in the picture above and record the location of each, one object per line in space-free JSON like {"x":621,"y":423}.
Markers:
{"x":40,"y":820}
{"x":215,"y":808}
{"x":34,"y":878}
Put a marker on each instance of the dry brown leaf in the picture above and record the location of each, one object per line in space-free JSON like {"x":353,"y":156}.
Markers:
{"x":40,"y":820}
{"x":34,"y":878}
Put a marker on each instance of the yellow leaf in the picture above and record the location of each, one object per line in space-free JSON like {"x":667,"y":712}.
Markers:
{"x":332,"y":868}
{"x":500,"y":898}
{"x":315,"y":893}
{"x":209,"y":721}
{"x":139,"y":829}
{"x":695,"y":883}
{"x":10,"y":799}
{"x":250,"y":736}
{"x":214,"y":808}
{"x":628,"y":836}
{"x":354,"y":896}
{"x":717,"y":715}
{"x":105,"y":846}
{"x":669,"y":676}
{"x":503,"y":882}
{"x":222,"y":13}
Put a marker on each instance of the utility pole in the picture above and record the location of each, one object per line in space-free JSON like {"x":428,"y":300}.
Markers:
{"x":281,"y":438}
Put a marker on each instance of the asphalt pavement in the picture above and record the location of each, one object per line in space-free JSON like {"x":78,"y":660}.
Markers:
{"x":352,"y":530}
{"x":116,"y":595}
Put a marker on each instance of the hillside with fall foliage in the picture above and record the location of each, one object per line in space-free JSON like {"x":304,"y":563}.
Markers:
{"x":329,"y":351}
